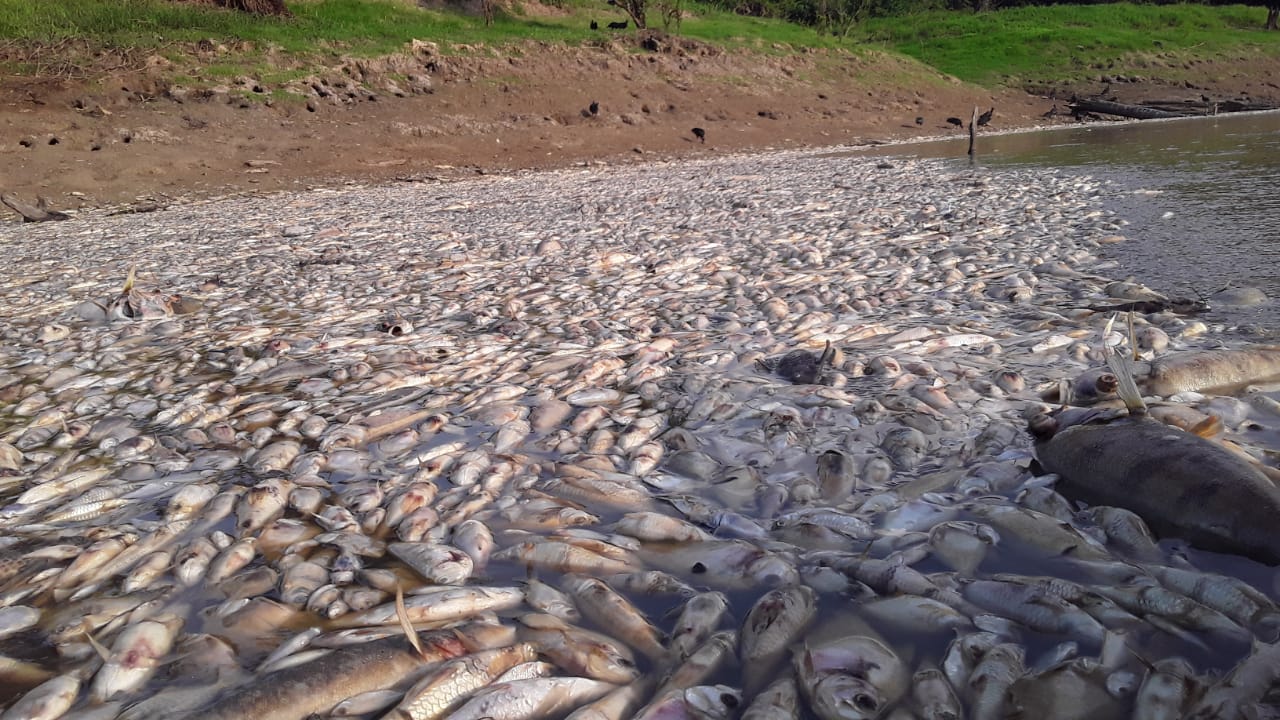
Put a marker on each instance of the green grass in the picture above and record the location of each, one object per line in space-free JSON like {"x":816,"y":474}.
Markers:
{"x":1061,"y":41}
{"x":365,"y":27}
{"x":727,"y":29}
{"x":1018,"y":44}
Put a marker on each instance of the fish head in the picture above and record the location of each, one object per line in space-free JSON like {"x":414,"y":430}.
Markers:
{"x":607,"y":662}
{"x":1044,"y":426}
{"x":773,"y":571}
{"x":713,"y":702}
{"x":840,"y":696}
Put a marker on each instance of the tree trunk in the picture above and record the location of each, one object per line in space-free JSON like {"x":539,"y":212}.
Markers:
{"x":1138,"y":112}
{"x":258,"y":7}
{"x":636,"y":9}
{"x":1273,"y":14}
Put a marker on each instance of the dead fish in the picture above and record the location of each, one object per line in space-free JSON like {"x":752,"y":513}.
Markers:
{"x":440,"y":564}
{"x":1204,"y":371}
{"x":1069,"y":690}
{"x":440,"y":604}
{"x":703,"y":702}
{"x":933,"y":695}
{"x":1180,"y":484}
{"x":48,"y":701}
{"x":774,"y":622}
{"x":531,"y":699}
{"x":1189,"y":371}
{"x":703,"y":663}
{"x":319,"y":685}
{"x":699,"y":618}
{"x":1169,"y":684}
{"x":726,"y":564}
{"x":801,"y":366}
{"x":613,"y":612}
{"x":850,"y":678}
{"x":579,"y":651}
{"x":437,"y":693}
{"x":988,"y":686}
{"x":618,"y":704}
{"x":779,"y":701}
{"x":135,"y":656}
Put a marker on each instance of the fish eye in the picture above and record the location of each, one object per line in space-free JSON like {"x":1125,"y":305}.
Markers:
{"x":865,"y":702}
{"x":698,"y":568}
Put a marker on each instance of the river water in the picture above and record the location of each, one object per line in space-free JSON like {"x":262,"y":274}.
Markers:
{"x":1200,"y":196}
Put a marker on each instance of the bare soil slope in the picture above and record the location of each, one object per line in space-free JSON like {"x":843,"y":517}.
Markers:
{"x":132,"y":136}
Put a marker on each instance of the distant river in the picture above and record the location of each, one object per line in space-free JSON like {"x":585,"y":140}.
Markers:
{"x":1201,"y":196}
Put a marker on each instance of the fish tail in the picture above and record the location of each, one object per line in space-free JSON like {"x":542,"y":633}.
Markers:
{"x":128,"y":282}
{"x":1123,"y":368}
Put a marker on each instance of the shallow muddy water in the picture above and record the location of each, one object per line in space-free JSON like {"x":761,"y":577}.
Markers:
{"x":1199,"y":196}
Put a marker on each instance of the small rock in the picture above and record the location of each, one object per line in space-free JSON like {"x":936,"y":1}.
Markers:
{"x":295,"y":231}
{"x":1240,"y":296}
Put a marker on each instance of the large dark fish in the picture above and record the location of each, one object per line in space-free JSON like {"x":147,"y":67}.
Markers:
{"x":1182,"y":485}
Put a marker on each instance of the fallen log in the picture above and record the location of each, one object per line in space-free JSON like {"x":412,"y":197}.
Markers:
{"x":31,"y":213}
{"x":1138,"y":112}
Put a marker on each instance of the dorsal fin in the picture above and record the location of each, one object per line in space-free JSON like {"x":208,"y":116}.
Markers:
{"x":1210,"y":428}
{"x":1122,"y":367}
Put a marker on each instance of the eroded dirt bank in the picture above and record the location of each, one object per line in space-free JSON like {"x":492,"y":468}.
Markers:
{"x":135,"y":136}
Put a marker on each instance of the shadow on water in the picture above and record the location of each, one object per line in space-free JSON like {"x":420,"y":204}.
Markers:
{"x":1198,"y":194}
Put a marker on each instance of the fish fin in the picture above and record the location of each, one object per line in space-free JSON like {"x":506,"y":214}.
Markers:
{"x":1211,"y":427}
{"x":402,"y":614}
{"x":1128,"y":389}
{"x":1064,"y":392}
{"x":129,"y":281}
{"x":98,"y":647}
{"x":828,"y":353}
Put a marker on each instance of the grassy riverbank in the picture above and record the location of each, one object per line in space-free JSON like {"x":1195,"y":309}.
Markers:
{"x":1061,"y":42}
{"x":1018,"y":44}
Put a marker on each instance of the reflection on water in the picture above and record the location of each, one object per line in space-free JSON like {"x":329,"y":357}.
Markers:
{"x":1199,"y":195}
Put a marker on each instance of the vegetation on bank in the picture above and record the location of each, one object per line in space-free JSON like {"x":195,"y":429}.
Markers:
{"x":1046,"y":43}
{"x":1028,"y":43}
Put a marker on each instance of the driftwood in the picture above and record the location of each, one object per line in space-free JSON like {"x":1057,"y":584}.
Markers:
{"x":973,"y":130}
{"x":31,"y":213}
{"x":1106,"y":107}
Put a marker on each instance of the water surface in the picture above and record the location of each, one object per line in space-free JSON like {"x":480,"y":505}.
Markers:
{"x":1200,"y":197}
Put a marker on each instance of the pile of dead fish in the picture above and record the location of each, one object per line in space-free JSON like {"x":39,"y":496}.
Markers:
{"x":743,"y":438}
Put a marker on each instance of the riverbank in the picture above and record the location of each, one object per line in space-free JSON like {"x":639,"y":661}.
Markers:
{"x":140,"y":138}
